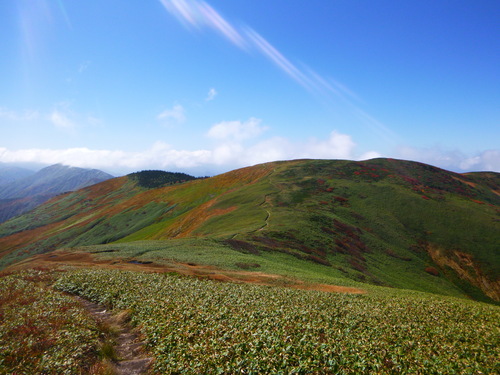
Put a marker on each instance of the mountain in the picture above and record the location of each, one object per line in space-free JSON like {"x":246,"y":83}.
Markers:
{"x":52,"y":180}
{"x":387,"y":222}
{"x":23,"y":194}
{"x":9,"y":174}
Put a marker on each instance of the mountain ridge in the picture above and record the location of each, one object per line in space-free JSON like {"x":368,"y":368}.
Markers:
{"x":23,"y":194}
{"x":9,"y":173}
{"x":387,"y":222}
{"x":54,"y":179}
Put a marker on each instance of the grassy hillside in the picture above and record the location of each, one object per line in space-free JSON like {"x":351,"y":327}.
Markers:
{"x":43,"y":331}
{"x":213,"y":327}
{"x":202,"y":326}
{"x":385,"y":222}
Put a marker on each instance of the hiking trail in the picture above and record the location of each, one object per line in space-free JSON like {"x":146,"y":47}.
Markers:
{"x":128,"y":347}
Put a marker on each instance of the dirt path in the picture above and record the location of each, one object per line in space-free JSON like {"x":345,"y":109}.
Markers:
{"x":130,"y":358}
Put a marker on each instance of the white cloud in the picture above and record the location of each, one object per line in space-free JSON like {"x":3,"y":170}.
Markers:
{"x":212,"y":93}
{"x":488,"y":160}
{"x":370,"y":155}
{"x":337,"y":146}
{"x":236,"y":146}
{"x":232,"y":151}
{"x":272,"y":149}
{"x":159,"y":155}
{"x":233,"y":154}
{"x":236,"y":130}
{"x":176,"y":113}
{"x":61,"y":120}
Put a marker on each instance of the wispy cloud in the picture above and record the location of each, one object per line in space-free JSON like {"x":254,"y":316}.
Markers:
{"x":277,"y":58}
{"x":61,"y":117}
{"x":84,"y":66}
{"x":199,"y":15}
{"x":176,"y":113}
{"x":212,"y":93}
{"x":61,"y":120}
{"x":11,"y":115}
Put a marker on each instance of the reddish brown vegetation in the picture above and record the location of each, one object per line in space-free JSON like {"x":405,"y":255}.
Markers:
{"x":243,"y":246}
{"x":80,"y":259}
{"x":341,"y":200}
{"x":432,"y":271}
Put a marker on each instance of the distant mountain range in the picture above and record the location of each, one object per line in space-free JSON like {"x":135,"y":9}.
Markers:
{"x":10,"y":174}
{"x":387,"y":222}
{"x":21,"y":190}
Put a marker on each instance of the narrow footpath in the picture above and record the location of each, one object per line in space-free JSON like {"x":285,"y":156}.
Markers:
{"x":128,"y":348}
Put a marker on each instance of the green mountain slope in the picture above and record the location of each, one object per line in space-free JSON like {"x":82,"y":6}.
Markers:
{"x":386,"y":222}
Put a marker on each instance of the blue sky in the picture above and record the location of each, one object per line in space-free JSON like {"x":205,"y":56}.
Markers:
{"x":207,"y":86}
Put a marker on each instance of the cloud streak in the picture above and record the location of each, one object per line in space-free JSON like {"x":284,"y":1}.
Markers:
{"x":199,"y":15}
{"x":14,"y":116}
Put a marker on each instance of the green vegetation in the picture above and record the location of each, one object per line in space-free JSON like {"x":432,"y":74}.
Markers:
{"x":221,"y":254}
{"x":200,"y":326}
{"x":43,"y":331}
{"x":383,"y":222}
{"x":156,"y":179}
{"x":369,"y":225}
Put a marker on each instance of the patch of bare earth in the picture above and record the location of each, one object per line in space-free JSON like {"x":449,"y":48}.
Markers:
{"x":128,"y":352}
{"x":86,"y":260}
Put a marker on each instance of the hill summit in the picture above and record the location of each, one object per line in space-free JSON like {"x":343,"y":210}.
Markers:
{"x":386,"y":222}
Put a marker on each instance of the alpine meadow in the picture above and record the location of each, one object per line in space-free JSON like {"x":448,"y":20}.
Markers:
{"x":304,"y":266}
{"x":216,"y":187}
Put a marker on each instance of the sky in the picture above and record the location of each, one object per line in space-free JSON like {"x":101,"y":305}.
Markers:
{"x":204,"y":87}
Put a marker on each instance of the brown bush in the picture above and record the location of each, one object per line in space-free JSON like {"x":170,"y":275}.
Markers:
{"x":432,"y":271}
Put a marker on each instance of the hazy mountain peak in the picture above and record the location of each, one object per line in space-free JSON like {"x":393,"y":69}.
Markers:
{"x":35,"y":188}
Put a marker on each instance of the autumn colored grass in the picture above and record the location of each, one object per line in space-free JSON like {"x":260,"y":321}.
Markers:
{"x":43,"y":331}
{"x":201,"y":326}
{"x":382,"y":222}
